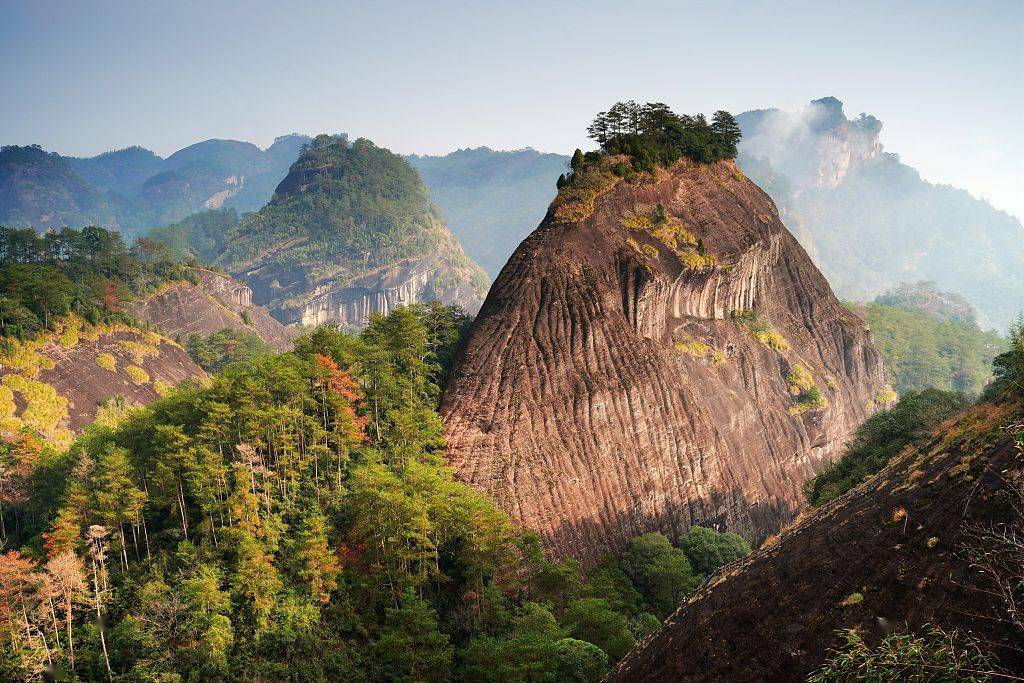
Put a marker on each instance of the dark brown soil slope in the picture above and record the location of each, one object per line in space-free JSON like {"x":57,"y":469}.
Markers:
{"x":901,"y":541}
{"x":216,"y":303}
{"x":606,"y":390}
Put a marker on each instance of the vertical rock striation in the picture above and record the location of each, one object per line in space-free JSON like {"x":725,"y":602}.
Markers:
{"x":607,"y":389}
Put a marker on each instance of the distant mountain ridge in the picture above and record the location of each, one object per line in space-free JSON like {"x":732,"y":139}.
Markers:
{"x":133,"y":189}
{"x":870,"y":222}
{"x":491,"y":199}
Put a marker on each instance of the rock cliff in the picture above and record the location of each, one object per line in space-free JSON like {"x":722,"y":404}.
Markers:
{"x":216,"y":302}
{"x":896,"y":552}
{"x":671,"y":358}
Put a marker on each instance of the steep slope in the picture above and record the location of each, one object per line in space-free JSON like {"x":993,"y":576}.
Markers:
{"x":58,"y":384}
{"x":902,"y":542}
{"x":491,"y":200}
{"x":41,"y":190}
{"x":213,"y":303}
{"x":349,"y":232}
{"x":615,"y":381}
{"x":870,"y":221}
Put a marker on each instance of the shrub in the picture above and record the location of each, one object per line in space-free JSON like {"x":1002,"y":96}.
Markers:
{"x":44,"y":408}
{"x":708,"y":549}
{"x":937,"y":656}
{"x":137,"y":374}
{"x":106,"y":361}
{"x":799,"y":380}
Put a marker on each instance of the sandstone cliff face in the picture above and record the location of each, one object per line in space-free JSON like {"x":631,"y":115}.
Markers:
{"x":901,"y":541}
{"x":217,"y":302}
{"x":605,"y":389}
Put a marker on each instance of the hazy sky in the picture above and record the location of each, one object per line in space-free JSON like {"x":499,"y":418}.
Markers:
{"x":79,"y":77}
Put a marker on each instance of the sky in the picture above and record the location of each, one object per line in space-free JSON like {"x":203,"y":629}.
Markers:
{"x":83,"y":77}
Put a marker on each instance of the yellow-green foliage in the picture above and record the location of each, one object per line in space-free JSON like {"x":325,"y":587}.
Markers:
{"x":772,"y":339}
{"x":646,"y":250}
{"x":671,"y":232}
{"x":799,"y":380}
{"x":112,"y":412}
{"x":23,"y":357}
{"x":886,"y":397}
{"x":44,"y":409}
{"x":162,"y":388}
{"x":699,"y":349}
{"x":761,"y":330}
{"x":106,"y":361}
{"x":138,"y":350}
{"x":693,"y":347}
{"x":7,"y":407}
{"x":852,"y":599}
{"x":575,"y":201}
{"x":697,"y":260}
{"x":138,"y":375}
{"x":805,"y":392}
{"x":69,"y":328}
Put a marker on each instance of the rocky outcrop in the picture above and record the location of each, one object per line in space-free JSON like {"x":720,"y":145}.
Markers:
{"x":608,"y":389}
{"x":893,"y":553}
{"x":816,"y":147}
{"x":215,"y":302}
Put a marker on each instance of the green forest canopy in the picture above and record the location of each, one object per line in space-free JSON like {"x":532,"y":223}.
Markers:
{"x":296,"y":519}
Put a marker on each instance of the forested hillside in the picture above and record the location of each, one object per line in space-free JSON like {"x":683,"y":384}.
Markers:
{"x":931,"y":339}
{"x":296,"y":519}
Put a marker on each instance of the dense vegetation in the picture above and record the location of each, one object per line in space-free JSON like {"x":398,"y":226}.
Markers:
{"x":653,"y":134}
{"x":296,"y":520}
{"x":882,"y":436}
{"x":224,"y":347}
{"x":87,"y":272}
{"x":886,"y":433}
{"x":926,"y":345}
{"x":199,"y":237}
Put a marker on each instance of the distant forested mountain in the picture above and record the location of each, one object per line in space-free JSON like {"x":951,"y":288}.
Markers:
{"x":870,"y":221}
{"x":42,"y":190}
{"x":931,"y":339}
{"x":491,"y":200}
{"x":349,"y":232}
{"x":133,"y":189}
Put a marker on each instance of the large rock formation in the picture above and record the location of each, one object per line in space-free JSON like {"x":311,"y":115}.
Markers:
{"x":612,"y":383}
{"x":896,"y":552}
{"x":215,"y":302}
{"x":350,"y":232}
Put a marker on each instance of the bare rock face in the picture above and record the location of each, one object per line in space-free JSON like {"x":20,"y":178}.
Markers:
{"x":608,"y":389}
{"x":216,"y":302}
{"x":892,"y":553}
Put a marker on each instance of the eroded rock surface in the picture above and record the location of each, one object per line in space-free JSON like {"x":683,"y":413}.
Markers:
{"x":584,"y":403}
{"x":216,"y":303}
